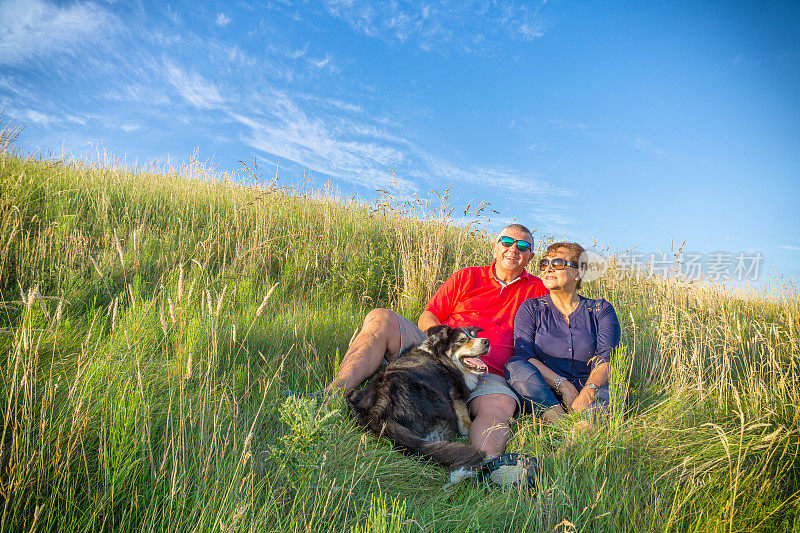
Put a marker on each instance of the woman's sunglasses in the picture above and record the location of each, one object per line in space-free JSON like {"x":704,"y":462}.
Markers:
{"x":557,"y":263}
{"x":522,"y":246}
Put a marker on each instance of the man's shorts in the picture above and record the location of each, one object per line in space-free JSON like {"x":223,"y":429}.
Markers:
{"x":411,"y":336}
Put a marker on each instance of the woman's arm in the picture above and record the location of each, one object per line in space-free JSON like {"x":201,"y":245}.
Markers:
{"x":567,"y":390}
{"x":608,"y":337}
{"x":598,"y":378}
{"x":525,"y":324}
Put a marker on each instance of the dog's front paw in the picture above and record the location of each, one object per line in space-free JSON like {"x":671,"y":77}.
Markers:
{"x":462,"y":416}
{"x":459,"y":475}
{"x":463,"y":426}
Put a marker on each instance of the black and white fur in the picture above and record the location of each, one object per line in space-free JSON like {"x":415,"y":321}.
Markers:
{"x":420,"y":401}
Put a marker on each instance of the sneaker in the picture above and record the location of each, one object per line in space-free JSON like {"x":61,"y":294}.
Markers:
{"x":511,"y":469}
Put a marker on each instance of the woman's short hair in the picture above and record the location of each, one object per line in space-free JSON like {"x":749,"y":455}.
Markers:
{"x":572,"y":250}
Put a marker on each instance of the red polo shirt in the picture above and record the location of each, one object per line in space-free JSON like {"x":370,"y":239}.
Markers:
{"x":475,"y":297}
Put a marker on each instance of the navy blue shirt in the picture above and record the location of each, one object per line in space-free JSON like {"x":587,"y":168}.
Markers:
{"x":573,"y":350}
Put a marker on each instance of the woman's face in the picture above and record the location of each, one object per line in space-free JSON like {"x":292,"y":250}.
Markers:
{"x":559,"y":280}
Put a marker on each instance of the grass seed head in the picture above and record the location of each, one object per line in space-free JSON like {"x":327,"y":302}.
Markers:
{"x":220,"y":300}
{"x":163,"y":322}
{"x":266,"y":298}
{"x":118,"y":246}
{"x":114,"y":314}
{"x":31,"y":297}
{"x":180,"y":281}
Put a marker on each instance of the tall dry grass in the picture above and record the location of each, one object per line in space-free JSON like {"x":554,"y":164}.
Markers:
{"x":150,"y":322}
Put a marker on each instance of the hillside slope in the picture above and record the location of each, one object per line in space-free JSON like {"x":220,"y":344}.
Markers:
{"x":150,"y":323}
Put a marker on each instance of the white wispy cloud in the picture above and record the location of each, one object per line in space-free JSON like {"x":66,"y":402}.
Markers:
{"x":298,"y":52}
{"x":643,"y":145}
{"x":329,"y":135}
{"x":193,"y":87}
{"x":343,"y":144}
{"x":15,"y":94}
{"x":238,"y":56}
{"x":222,"y":19}
{"x":522,"y":184}
{"x":37,"y":29}
{"x":46,"y":118}
{"x":12,"y":85}
{"x":528,"y":195}
{"x":172,"y":15}
{"x":788,"y":247}
{"x":337,"y":104}
{"x":520,"y":19}
{"x":321,"y":62}
{"x":540,"y":147}
{"x":637,"y":142}
{"x":528,"y":32}
{"x":137,"y":93}
{"x":465,"y":24}
{"x":498,"y":179}
{"x":282,"y":128}
{"x":39,"y":118}
{"x":567,"y":125}
{"x":346,"y":147}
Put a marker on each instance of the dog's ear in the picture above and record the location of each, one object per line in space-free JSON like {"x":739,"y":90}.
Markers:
{"x":433,"y":330}
{"x":439,"y":330}
{"x":473,"y":330}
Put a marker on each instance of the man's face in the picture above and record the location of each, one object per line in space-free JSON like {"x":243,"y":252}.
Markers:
{"x":511,"y":259}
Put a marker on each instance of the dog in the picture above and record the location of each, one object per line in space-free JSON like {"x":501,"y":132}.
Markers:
{"x":419,"y":402}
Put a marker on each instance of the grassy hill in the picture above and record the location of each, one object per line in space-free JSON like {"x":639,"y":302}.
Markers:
{"x":150,"y":322}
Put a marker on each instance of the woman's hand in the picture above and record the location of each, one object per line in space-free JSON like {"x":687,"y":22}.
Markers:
{"x":582,"y":401}
{"x":568,"y":393}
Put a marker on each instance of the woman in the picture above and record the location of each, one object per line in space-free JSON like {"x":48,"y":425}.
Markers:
{"x":563,"y":342}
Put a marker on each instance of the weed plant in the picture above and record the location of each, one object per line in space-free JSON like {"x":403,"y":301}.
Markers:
{"x":150,"y":323}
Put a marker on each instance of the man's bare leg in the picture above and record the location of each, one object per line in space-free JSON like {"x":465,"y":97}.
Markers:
{"x":379,"y":337}
{"x":489,"y":431}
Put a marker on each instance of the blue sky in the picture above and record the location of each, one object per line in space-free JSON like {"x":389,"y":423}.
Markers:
{"x":626,"y":124}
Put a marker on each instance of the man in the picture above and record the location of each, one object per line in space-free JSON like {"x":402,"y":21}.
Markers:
{"x":487,"y":297}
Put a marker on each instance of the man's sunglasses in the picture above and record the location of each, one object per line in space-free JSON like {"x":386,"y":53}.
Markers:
{"x":557,"y":263}
{"x":522,"y":246}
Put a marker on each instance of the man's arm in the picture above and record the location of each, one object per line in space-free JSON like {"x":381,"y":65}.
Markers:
{"x":427,"y":320}
{"x":442,"y":302}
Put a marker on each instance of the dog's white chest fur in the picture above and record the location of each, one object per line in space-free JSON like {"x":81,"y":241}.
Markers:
{"x":471,"y":380}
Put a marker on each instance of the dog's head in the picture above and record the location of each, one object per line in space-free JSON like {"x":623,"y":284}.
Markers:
{"x":461,"y":345}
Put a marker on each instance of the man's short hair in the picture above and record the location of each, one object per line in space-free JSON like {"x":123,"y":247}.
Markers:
{"x":520,"y":228}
